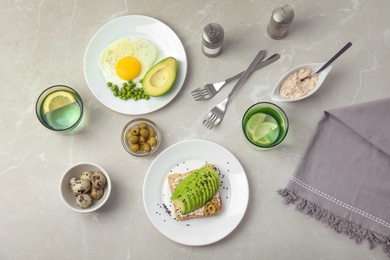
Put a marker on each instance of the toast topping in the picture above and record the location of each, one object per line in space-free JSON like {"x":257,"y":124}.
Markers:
{"x":196,"y":190}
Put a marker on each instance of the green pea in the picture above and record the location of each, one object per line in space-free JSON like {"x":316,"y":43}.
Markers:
{"x":109,"y":84}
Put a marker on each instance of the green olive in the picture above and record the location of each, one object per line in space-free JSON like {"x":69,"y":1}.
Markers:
{"x":135,"y":131}
{"x":129,"y":135}
{"x":152,"y":141}
{"x":144,"y":132}
{"x":134,"y":139}
{"x":142,"y":140}
{"x":152,"y":132}
{"x":146,"y":147}
{"x":134,"y":147}
{"x":142,"y":126}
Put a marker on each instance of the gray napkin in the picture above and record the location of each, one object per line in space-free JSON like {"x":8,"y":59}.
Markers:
{"x":343,"y":178}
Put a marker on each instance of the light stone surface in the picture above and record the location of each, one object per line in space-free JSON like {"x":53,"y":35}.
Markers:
{"x":43,"y":43}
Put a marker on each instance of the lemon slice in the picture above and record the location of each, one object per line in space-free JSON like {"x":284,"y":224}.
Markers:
{"x":264,"y":141}
{"x":262,"y":132}
{"x":254,"y":122}
{"x":262,"y":129}
{"x":57,"y":100}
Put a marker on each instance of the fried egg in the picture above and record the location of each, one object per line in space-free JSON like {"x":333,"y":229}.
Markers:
{"x":126,"y":59}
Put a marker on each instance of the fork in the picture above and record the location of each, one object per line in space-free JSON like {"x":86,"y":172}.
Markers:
{"x":215,"y":116}
{"x":211,"y":89}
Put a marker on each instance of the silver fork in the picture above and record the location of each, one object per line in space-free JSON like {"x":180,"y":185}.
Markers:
{"x":215,"y":116}
{"x":211,"y":89}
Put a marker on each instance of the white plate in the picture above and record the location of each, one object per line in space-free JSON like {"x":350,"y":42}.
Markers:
{"x":133,"y":26}
{"x":183,"y":157}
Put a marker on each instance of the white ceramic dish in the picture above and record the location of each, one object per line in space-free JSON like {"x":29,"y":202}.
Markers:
{"x":275,"y":96}
{"x":183,"y":157}
{"x":75,"y":171}
{"x":133,"y":26}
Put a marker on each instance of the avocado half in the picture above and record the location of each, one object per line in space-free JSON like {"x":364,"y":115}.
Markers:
{"x":160,"y":78}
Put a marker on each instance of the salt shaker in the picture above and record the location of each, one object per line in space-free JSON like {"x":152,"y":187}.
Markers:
{"x":280,"y":21}
{"x":212,"y":39}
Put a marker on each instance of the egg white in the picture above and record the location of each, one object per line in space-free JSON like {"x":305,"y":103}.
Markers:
{"x":144,"y":51}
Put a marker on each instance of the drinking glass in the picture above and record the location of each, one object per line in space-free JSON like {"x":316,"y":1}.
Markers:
{"x":268,"y":127}
{"x":63,"y":118}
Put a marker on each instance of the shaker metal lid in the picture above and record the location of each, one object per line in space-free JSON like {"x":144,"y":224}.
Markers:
{"x":213,"y":34}
{"x":283,"y":14}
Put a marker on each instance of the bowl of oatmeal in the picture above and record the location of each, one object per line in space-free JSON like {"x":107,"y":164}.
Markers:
{"x":297,"y":85}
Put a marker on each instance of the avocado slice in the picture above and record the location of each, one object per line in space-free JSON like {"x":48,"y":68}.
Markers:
{"x":208,"y":185}
{"x":215,"y":177}
{"x":196,"y":195}
{"x":196,"y":200}
{"x":182,"y":198}
{"x":160,"y":78}
{"x":213,"y":172}
{"x":212,"y":181}
{"x":206,"y":188}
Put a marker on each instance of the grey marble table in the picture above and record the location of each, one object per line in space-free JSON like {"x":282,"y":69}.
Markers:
{"x":43,"y":43}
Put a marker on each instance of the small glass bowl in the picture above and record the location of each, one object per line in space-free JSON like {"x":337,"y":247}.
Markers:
{"x":133,"y":124}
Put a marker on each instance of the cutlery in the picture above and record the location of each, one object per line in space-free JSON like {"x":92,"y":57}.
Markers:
{"x":215,"y":116}
{"x":211,"y":89}
{"x":346,"y":47}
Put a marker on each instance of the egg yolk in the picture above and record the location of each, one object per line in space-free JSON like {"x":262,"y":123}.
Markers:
{"x":128,"y":68}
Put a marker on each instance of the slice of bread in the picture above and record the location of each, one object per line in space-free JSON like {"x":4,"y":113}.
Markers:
{"x":211,"y":208}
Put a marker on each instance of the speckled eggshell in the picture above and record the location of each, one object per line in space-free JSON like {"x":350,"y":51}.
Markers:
{"x":83,"y":201}
{"x":80,"y":186}
{"x":87,"y":176}
{"x":96,"y":193}
{"x":72,"y":181}
{"x":98,"y":180}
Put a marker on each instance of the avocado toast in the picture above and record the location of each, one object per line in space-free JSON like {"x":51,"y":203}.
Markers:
{"x":195,"y":194}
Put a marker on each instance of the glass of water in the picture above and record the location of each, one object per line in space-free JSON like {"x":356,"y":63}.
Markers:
{"x":60,"y":108}
{"x":264,"y":125}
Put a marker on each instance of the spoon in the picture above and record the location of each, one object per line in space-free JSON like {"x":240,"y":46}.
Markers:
{"x":349,"y":44}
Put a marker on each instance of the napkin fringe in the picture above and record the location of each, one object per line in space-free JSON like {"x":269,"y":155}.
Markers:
{"x":337,"y":223}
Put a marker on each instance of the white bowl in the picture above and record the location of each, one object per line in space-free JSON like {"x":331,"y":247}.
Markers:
{"x":314,"y":66}
{"x":75,"y":171}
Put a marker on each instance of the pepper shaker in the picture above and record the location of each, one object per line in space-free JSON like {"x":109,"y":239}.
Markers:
{"x":280,"y":21}
{"x":212,"y":39}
